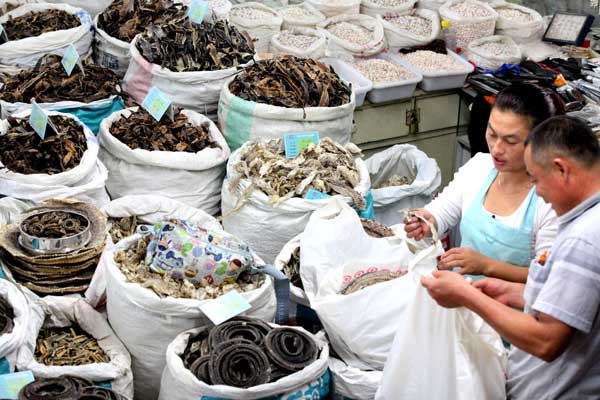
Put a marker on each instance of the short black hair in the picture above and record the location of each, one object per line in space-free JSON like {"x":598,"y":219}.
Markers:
{"x":568,"y":136}
{"x":529,"y":101}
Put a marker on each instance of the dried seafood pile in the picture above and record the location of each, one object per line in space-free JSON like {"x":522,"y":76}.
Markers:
{"x":382,"y":71}
{"x":66,"y":388}
{"x":370,"y":279}
{"x":124,"y":19}
{"x":60,"y":273}
{"x":47,"y":82}
{"x":37,"y":22}
{"x":428,"y":61}
{"x":415,"y":24}
{"x":514,"y":14}
{"x":349,"y":32}
{"x":288,"y":81}
{"x":245,"y":352}
{"x":180,"y":45}
{"x":141,"y":131}
{"x":131,"y":263}
{"x":54,"y":224}
{"x":296,"y":40}
{"x":67,"y":346}
{"x":376,"y":229}
{"x":23,"y":151}
{"x":394,"y":180}
{"x":120,"y":228}
{"x":327,"y":167}
{"x":6,"y":316}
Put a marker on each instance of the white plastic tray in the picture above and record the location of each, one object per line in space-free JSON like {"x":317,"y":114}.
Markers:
{"x":446,"y":80}
{"x":360,"y":84}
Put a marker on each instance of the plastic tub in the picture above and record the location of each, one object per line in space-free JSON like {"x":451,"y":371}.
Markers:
{"x":446,"y":80}
{"x":361,"y":85}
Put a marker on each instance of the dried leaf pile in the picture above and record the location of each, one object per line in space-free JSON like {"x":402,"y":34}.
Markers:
{"x":394,"y":180}
{"x":132,"y":265}
{"x":327,"y":167}
{"x":35,"y":23}
{"x":54,"y":224}
{"x":288,"y":81}
{"x":124,"y":19}
{"x":141,"y":131}
{"x":23,"y":151}
{"x":67,"y":347}
{"x":6,"y":316}
{"x":181,"y":46}
{"x":48,"y":82}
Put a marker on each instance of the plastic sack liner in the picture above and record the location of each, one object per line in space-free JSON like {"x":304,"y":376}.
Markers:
{"x":349,"y":383}
{"x":10,"y":343}
{"x":26,"y":52}
{"x":110,"y":52}
{"x":486,"y":59}
{"x":192,"y":178}
{"x":303,"y":22}
{"x":520,"y":31}
{"x":372,"y":8}
{"x":147,"y":323}
{"x":397,"y":37}
{"x":178,"y":382}
{"x":92,"y":7}
{"x":242,"y":120}
{"x":260,"y":31}
{"x":467,"y":29}
{"x":84,"y":182}
{"x":338,"y":47}
{"x":402,"y":160}
{"x":334,"y":8}
{"x":59,"y":312}
{"x":315,"y":50}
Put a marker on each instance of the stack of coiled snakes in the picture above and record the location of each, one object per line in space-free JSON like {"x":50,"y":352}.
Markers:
{"x":246,"y":352}
{"x":66,"y":388}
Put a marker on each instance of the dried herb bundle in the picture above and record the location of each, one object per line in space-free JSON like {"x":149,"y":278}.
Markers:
{"x":67,"y":347}
{"x":37,"y":22}
{"x":23,"y":151}
{"x":6,"y":316}
{"x":141,"y":131}
{"x":48,"y":82}
{"x":292,"y":82}
{"x":124,"y":19}
{"x":181,"y":45}
{"x":54,"y":224}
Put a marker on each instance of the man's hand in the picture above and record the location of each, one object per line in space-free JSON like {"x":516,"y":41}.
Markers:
{"x":470,"y":261}
{"x":415,"y":227}
{"x":507,"y":293}
{"x":448,"y":289}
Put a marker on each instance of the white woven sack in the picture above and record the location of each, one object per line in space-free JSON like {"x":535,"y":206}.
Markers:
{"x":467,"y":29}
{"x":26,"y":52}
{"x":110,"y":52}
{"x":94,"y":7}
{"x":337,"y":45}
{"x":487,"y":60}
{"x":372,"y":8}
{"x":520,"y":31}
{"x":433,"y":5}
{"x":398,"y":37}
{"x":260,"y":31}
{"x":11,"y":342}
{"x":315,"y":50}
{"x":334,"y":8}
{"x":350,"y":383}
{"x":305,"y":22}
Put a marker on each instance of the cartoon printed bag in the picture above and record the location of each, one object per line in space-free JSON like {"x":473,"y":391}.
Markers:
{"x":186,"y":251}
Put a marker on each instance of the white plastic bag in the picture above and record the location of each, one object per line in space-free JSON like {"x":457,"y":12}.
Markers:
{"x":338,"y":47}
{"x":59,"y":312}
{"x":402,"y":160}
{"x":333,"y":8}
{"x":110,"y":52}
{"x":352,"y":383}
{"x":372,"y":8}
{"x":84,"y":182}
{"x":265,"y":227}
{"x":179,"y":383}
{"x":289,"y":21}
{"x":147,"y":323}
{"x":192,"y":178}
{"x":467,"y":29}
{"x":316,"y":50}
{"x":397,"y":37}
{"x":11,"y":209}
{"x":433,"y":5}
{"x":94,"y":7}
{"x":26,"y":52}
{"x":10,"y":343}
{"x":486,"y":59}
{"x":334,"y":250}
{"x":520,"y":31}
{"x":260,"y":31}
{"x":241,"y":120}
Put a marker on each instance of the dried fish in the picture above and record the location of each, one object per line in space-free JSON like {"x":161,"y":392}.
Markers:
{"x":327,"y":167}
{"x":292,"y":269}
{"x":54,"y":224}
{"x":132,"y":265}
{"x":292,"y":82}
{"x":124,"y":19}
{"x":48,"y":82}
{"x":376,"y":229}
{"x":67,"y":347}
{"x":394,"y":180}
{"x":180,"y":45}
{"x":23,"y":151}
{"x":141,"y":131}
{"x":35,"y":23}
{"x":369,"y":279}
{"x":122,"y":227}
{"x":6,"y":316}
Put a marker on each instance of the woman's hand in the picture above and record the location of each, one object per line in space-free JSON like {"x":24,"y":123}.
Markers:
{"x":416,"y":228}
{"x":470,"y":261}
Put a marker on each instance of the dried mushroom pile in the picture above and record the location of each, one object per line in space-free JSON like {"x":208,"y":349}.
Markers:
{"x":131,"y":263}
{"x":23,"y":151}
{"x":429,"y":61}
{"x":181,"y":46}
{"x":49,"y":83}
{"x":288,"y":81}
{"x":6,"y":316}
{"x":37,"y":22}
{"x":67,"y":346}
{"x":124,"y":19}
{"x":66,"y":388}
{"x":327,"y":167}
{"x":394,"y":180}
{"x":245,"y":352}
{"x":141,"y":131}
{"x":383,"y":71}
{"x":54,"y":224}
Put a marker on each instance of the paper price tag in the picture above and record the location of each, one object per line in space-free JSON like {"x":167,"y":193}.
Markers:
{"x":225,"y":307}
{"x":197,"y":11}
{"x":313,"y":194}
{"x":11,"y":384}
{"x":296,"y":142}
{"x":38,"y":119}
{"x":70,"y":59}
{"x":156,"y":103}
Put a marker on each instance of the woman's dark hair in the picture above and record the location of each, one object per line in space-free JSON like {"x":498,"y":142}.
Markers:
{"x":530,"y":101}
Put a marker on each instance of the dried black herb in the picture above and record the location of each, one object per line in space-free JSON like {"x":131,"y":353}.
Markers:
{"x":35,"y":23}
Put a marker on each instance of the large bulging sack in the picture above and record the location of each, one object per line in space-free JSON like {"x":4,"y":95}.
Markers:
{"x":92,"y":7}
{"x":333,"y":8}
{"x":11,"y":342}
{"x":374,"y":8}
{"x":343,"y":47}
{"x":466,"y":29}
{"x":399,"y":36}
{"x":483,"y":57}
{"x":523,"y":24}
{"x":260,"y":30}
{"x":350,"y":383}
{"x":316,"y":50}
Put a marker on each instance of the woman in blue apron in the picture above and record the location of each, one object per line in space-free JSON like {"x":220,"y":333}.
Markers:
{"x":503,"y":224}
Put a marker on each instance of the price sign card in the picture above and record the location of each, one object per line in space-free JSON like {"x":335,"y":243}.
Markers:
{"x":156,"y":103}
{"x":38,"y":119}
{"x":70,"y":59}
{"x":225,"y":307}
{"x":296,"y":142}
{"x":197,"y":11}
{"x":313,"y":194}
{"x":11,"y":384}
